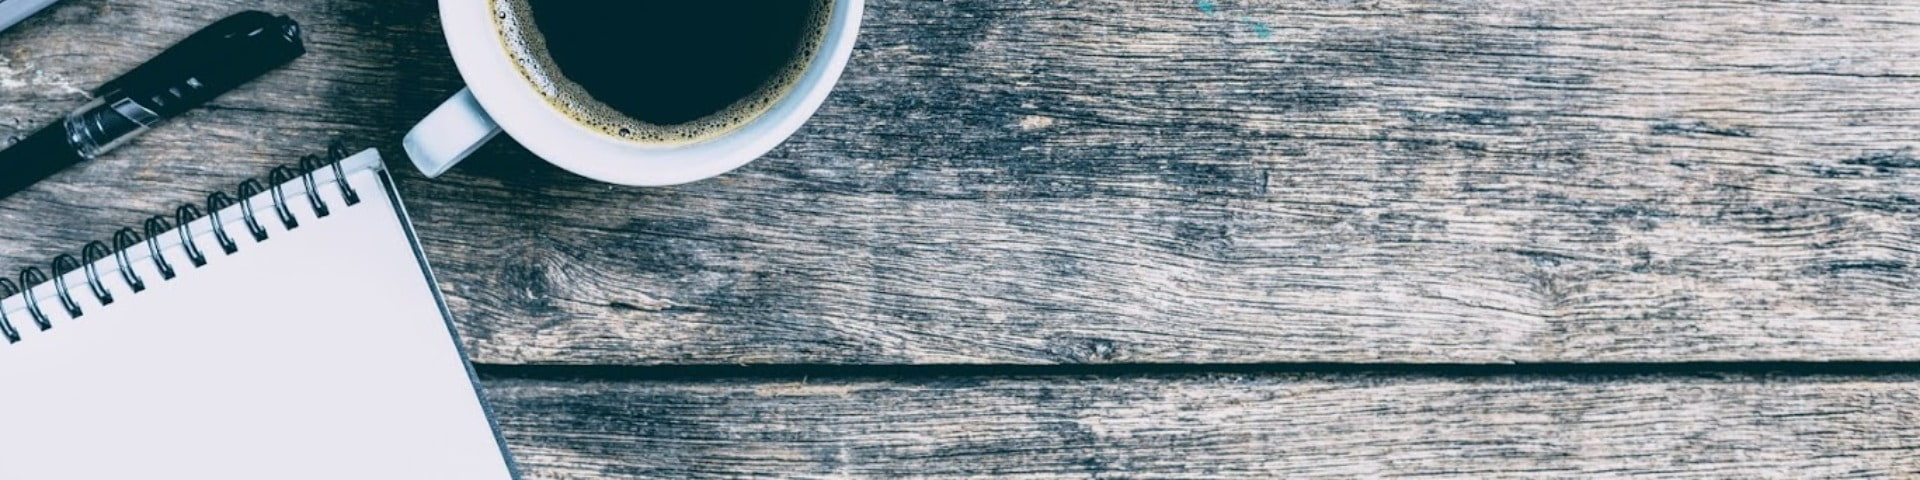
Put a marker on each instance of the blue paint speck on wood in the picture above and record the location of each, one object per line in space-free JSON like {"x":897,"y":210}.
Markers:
{"x":1205,"y":6}
{"x":1259,"y":29}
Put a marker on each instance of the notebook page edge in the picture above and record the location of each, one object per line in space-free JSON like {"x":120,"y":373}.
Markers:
{"x":453,"y":333}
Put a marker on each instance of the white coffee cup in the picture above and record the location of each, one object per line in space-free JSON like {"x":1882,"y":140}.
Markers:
{"x":498,"y":97}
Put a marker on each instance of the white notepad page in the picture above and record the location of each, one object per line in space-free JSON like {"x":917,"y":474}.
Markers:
{"x":319,"y":353}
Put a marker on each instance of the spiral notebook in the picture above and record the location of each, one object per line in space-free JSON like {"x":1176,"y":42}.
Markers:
{"x":293,"y":331}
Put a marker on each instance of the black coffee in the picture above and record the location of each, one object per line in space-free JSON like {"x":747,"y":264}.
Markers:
{"x":658,"y":71}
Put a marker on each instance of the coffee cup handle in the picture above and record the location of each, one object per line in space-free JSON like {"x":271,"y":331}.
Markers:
{"x":449,"y":134}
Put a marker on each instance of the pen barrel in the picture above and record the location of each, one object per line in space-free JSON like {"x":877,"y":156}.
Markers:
{"x":95,"y":128}
{"x":213,"y":61}
{"x":210,"y":62}
{"x":35,"y":157}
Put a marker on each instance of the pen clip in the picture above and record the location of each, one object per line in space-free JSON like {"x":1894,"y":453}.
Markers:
{"x":248,"y":33}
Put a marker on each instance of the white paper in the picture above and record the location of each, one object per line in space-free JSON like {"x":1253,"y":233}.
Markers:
{"x":320,"y":353}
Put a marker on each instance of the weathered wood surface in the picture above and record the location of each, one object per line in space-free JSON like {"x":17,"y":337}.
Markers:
{"x":1224,"y":426}
{"x":1111,"y":181}
{"x":1126,"y":181}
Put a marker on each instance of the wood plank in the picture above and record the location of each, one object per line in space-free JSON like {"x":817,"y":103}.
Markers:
{"x":1216,"y":426}
{"x":1025,"y":181}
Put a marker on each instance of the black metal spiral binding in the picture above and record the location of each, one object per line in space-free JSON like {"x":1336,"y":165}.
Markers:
{"x":249,"y":189}
{"x":93,"y":252}
{"x":185,"y":215}
{"x":29,"y":277}
{"x":338,"y":151}
{"x":126,"y":239}
{"x":279,"y":177}
{"x":123,"y":241}
{"x":156,"y":226}
{"x":309,"y":164}
{"x":7,"y":290}
{"x":61,"y":265}
{"x":216,"y":202}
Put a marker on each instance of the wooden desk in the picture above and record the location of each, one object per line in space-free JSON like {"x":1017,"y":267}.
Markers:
{"x":1150,"y":239}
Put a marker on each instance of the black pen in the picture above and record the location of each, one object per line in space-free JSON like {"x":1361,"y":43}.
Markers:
{"x":232,"y":51}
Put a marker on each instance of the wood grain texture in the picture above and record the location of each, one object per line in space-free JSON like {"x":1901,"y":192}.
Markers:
{"x":1099,"y":181}
{"x":1225,"y":426}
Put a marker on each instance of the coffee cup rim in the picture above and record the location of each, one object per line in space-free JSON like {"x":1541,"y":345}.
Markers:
{"x":486,"y":65}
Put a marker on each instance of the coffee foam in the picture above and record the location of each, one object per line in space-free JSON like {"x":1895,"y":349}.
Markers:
{"x":527,"y":46}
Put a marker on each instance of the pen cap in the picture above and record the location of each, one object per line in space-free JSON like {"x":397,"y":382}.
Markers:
{"x":212,"y":61}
